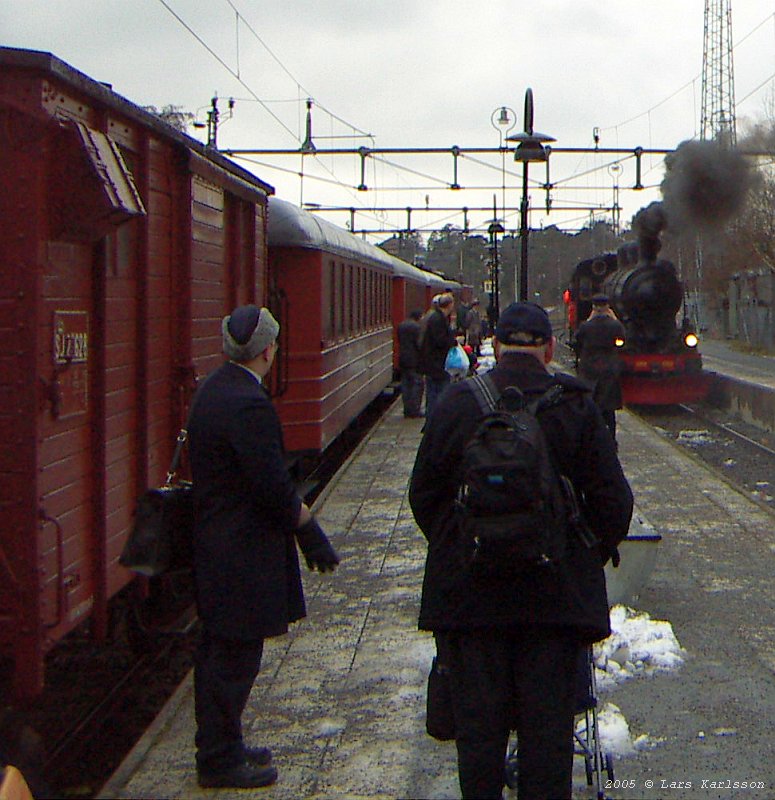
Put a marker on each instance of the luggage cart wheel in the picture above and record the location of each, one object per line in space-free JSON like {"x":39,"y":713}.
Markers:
{"x":609,"y":766}
{"x":511,"y":772}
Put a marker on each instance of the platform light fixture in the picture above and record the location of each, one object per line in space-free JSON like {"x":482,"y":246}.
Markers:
{"x":530,"y":148}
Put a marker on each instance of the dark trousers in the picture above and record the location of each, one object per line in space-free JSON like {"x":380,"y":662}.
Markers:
{"x":513,"y":679}
{"x":433,"y":389}
{"x":224,"y":671}
{"x":411,"y":392}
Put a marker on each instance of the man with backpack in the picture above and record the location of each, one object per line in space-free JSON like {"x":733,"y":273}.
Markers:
{"x":514,"y":588}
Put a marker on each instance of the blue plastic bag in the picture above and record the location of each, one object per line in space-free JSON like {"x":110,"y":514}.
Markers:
{"x":457,"y":362}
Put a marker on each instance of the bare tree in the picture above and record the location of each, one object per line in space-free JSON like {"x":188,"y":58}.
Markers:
{"x":175,"y":116}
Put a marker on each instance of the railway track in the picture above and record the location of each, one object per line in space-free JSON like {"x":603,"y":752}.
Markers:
{"x":741,"y":454}
{"x":727,"y":428}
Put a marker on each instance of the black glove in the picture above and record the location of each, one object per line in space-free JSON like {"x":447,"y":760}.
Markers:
{"x":316,"y":548}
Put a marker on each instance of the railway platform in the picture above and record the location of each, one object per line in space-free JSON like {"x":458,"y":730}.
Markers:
{"x":341,"y":699}
{"x":744,"y":382}
{"x":722,"y":356}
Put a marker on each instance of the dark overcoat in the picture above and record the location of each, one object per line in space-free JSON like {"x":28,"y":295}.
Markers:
{"x":599,"y":361}
{"x":570,"y":596}
{"x":409,"y":344}
{"x":437,"y":338}
{"x":246,"y":507}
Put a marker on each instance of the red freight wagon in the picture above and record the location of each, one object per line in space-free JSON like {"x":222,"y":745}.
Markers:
{"x":124,"y":242}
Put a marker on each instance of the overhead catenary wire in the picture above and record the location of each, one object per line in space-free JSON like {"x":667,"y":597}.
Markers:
{"x":441,"y":183}
{"x":229,"y":69}
{"x":282,"y":66}
{"x":254,"y":96}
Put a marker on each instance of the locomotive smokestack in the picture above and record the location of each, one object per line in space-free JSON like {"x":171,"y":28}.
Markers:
{"x":705,"y":185}
{"x":648,"y":224}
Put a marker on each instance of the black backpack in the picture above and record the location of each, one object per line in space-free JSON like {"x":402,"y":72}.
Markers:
{"x":517,"y":510}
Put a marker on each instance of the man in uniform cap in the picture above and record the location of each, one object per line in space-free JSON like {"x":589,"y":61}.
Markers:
{"x":248,"y":518}
{"x":597,"y":344}
{"x":512,"y":646}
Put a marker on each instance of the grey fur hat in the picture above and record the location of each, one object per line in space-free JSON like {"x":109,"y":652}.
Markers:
{"x":248,"y":331}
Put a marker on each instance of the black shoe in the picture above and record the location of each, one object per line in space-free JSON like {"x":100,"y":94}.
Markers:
{"x":260,"y":756}
{"x":242,"y":776}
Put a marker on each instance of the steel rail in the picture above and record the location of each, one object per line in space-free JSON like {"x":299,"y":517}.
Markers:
{"x":728,"y":429}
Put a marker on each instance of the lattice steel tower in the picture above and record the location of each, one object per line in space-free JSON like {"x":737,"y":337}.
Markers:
{"x":718,"y":78}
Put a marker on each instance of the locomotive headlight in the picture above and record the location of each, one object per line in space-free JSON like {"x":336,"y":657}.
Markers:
{"x":619,"y":342}
{"x":691,"y":340}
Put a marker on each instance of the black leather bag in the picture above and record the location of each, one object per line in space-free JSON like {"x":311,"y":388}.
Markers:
{"x":439,"y":716}
{"x":162,"y":536}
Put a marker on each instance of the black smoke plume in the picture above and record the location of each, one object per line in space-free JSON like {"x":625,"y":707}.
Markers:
{"x":705,"y":185}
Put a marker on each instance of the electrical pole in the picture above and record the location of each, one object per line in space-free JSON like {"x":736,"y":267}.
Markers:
{"x":719,"y":121}
{"x":718,"y":78}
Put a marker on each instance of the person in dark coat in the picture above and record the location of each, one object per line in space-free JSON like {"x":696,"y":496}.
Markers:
{"x":437,"y":338}
{"x":597,"y":344}
{"x":512,"y":645}
{"x":248,"y":517}
{"x":409,"y":364}
{"x":474,"y":327}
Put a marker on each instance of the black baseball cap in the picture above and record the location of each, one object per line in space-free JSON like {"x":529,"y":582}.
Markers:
{"x":524,"y":324}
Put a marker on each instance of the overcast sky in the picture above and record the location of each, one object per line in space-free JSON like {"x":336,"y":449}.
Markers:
{"x":418,"y":73}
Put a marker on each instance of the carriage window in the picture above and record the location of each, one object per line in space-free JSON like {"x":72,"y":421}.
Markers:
{"x":335,"y":308}
{"x":328,"y":298}
{"x":366,"y":299}
{"x":358,"y":299}
{"x":342,"y":301}
{"x":372,"y":299}
{"x":385,"y":299}
{"x":351,"y":326}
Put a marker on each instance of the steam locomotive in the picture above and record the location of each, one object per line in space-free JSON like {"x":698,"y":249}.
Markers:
{"x":661,"y":361}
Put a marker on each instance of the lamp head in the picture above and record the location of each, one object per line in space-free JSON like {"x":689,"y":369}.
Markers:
{"x":531,"y":146}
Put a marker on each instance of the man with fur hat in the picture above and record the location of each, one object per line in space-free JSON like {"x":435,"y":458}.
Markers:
{"x":248,"y":518}
{"x":511,"y":644}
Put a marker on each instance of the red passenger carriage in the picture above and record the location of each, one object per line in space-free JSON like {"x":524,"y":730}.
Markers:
{"x":341,"y":299}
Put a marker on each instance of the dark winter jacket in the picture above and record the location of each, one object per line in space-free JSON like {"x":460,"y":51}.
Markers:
{"x":437,"y":338}
{"x":570,"y":596}
{"x":246,"y":510}
{"x":409,"y":344}
{"x":599,"y":361}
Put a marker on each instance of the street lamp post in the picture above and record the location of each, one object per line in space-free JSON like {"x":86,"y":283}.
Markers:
{"x":615,"y":170}
{"x":504,"y":120}
{"x":493,"y":230}
{"x":530,"y":148}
